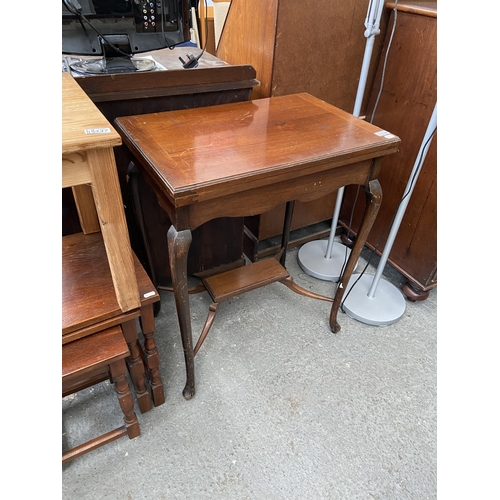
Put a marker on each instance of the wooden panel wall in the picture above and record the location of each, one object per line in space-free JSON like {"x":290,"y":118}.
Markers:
{"x":320,"y":47}
{"x":248,"y":35}
{"x":314,"y":46}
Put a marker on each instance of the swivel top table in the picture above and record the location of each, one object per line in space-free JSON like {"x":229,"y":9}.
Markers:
{"x":241,"y":159}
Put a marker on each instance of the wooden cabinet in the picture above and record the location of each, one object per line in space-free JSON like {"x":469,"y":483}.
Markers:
{"x":313,"y":46}
{"x":407,"y":100}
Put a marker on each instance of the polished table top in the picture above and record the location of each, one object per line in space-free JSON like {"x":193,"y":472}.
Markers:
{"x":200,"y":154}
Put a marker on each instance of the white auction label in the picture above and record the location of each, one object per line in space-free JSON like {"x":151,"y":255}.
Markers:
{"x":384,"y":133}
{"x":105,"y":130}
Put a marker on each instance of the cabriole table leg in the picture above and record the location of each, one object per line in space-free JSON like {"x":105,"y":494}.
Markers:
{"x":178,"y":248}
{"x":373,"y":194}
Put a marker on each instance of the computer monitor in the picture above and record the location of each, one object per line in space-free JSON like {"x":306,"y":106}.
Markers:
{"x":115,"y":30}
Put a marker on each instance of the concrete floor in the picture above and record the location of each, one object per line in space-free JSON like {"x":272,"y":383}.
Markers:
{"x":284,"y":409}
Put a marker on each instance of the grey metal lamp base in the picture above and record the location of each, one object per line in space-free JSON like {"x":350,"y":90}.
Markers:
{"x":312,"y":259}
{"x":385,"y":308}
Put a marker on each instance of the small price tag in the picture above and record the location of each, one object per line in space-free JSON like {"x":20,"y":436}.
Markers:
{"x":384,"y":133}
{"x":105,"y":130}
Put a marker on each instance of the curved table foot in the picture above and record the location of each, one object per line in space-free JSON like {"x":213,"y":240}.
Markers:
{"x":335,"y":328}
{"x":188,"y":392}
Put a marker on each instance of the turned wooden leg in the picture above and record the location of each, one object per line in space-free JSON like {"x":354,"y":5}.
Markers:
{"x":118,"y":372}
{"x":152,"y":358}
{"x":178,"y":247}
{"x":136,"y":366}
{"x":373,"y":194}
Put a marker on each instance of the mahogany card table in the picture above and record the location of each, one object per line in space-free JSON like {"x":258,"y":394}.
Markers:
{"x":242,"y":159}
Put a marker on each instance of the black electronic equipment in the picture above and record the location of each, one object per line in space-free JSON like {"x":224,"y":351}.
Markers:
{"x":115,"y":30}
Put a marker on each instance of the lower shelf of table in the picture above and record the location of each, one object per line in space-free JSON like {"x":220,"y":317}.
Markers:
{"x":243,"y":279}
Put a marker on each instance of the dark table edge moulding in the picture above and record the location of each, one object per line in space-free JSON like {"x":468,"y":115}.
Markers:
{"x":238,"y":184}
{"x":198,"y":207}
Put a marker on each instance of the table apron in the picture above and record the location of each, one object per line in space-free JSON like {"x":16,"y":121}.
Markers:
{"x":75,"y":169}
{"x":264,"y":198}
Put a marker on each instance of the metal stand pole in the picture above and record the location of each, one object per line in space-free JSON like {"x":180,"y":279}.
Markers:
{"x":321,"y":259}
{"x":374,"y":301}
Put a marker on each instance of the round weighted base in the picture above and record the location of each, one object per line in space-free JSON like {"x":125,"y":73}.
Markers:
{"x":312,"y":260}
{"x":385,"y":308}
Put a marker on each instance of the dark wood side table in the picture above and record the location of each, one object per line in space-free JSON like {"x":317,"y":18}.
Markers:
{"x":89,"y":306}
{"x":245,"y":158}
